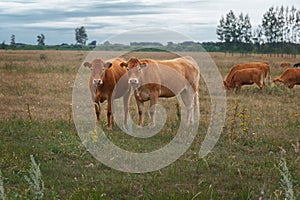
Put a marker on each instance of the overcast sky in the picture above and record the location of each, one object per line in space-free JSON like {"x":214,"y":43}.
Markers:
{"x":57,"y":19}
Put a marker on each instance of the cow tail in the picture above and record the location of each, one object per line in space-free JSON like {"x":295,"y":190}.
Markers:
{"x":196,"y":106}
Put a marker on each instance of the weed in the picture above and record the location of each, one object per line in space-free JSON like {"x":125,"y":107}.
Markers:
{"x":286,"y":179}
{"x":35,"y":179}
{"x":43,"y":56}
{"x":2,"y":194}
{"x":28,"y":112}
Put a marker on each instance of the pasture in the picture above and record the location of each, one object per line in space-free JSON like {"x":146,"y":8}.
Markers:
{"x":262,"y":128}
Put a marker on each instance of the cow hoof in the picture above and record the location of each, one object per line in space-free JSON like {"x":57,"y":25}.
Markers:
{"x":152,"y":125}
{"x":139,"y":127}
{"x":109,"y":128}
{"x":125,"y":126}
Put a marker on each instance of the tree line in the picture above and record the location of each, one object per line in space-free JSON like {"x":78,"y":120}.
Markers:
{"x":278,"y":32}
{"x":81,"y":38}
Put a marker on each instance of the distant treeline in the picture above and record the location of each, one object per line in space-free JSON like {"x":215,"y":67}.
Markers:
{"x":187,"y":46}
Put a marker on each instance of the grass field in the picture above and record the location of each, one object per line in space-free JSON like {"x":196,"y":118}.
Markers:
{"x":262,"y":130}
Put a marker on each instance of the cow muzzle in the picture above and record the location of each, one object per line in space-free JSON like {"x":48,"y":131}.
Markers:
{"x":133,"y":81}
{"x":97,"y":82}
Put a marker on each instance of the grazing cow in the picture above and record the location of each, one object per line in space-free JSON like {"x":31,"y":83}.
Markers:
{"x":151,"y":79}
{"x":246,"y":76}
{"x":103,"y":79}
{"x":290,"y":77}
{"x":285,"y":64}
{"x":297,"y":65}
{"x":265,"y":67}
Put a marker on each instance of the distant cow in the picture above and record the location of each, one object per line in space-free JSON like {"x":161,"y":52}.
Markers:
{"x":297,"y":65}
{"x":103,"y":79}
{"x":265,"y":67}
{"x":151,"y":79}
{"x":285,"y":64}
{"x":290,"y":77}
{"x":246,"y":76}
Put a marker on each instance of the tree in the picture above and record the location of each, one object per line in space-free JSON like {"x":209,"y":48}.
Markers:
{"x":231,"y":31}
{"x":81,"y":36}
{"x":221,"y":29}
{"x":12,"y":40}
{"x":246,"y":29}
{"x":93,"y":43}
{"x":234,"y":29}
{"x":257,"y":36}
{"x":268,"y":25}
{"x":41,"y":40}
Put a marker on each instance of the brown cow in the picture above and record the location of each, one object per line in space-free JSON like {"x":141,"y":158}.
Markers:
{"x":246,"y":77}
{"x":290,"y":77}
{"x":151,"y":79}
{"x":285,"y":64}
{"x":265,"y":67}
{"x":103,"y":79}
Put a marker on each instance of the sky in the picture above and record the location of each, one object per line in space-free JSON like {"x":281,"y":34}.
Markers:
{"x":57,"y":19}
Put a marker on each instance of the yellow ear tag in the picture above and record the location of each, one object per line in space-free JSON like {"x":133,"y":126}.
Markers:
{"x":124,"y":67}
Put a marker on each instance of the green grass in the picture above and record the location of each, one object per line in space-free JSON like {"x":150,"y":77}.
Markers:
{"x":238,"y":169}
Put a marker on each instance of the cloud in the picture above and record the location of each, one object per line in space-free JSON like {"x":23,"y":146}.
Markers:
{"x":197,"y":19}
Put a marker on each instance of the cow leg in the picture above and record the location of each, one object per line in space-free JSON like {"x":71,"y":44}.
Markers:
{"x":126,"y":112}
{"x":188,"y":97}
{"x":153,"y":101}
{"x":259,"y":84}
{"x":196,"y":106}
{"x":238,"y":88}
{"x":291,"y":85}
{"x":141,"y":113}
{"x":109,"y":114}
{"x":97,"y":111}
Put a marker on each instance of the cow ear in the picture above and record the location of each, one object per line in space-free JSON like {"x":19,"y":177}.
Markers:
{"x":123,"y":65}
{"x":143,"y":65}
{"x":88,"y":65}
{"x":107,"y":65}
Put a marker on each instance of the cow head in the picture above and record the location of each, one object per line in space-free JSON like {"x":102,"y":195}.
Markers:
{"x":226,"y":85}
{"x":134,"y":67}
{"x":98,"y":68}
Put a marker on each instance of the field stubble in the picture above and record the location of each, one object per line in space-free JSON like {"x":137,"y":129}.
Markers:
{"x":35,"y":113}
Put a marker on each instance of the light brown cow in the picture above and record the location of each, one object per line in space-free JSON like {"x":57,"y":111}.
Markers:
{"x":246,"y":77}
{"x":265,"y":67}
{"x":151,"y":79}
{"x":104,"y":77}
{"x":290,"y":77}
{"x":285,"y":64}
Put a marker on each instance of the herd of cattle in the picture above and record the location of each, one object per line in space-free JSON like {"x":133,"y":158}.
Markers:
{"x":259,"y":73}
{"x":150,"y":79}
